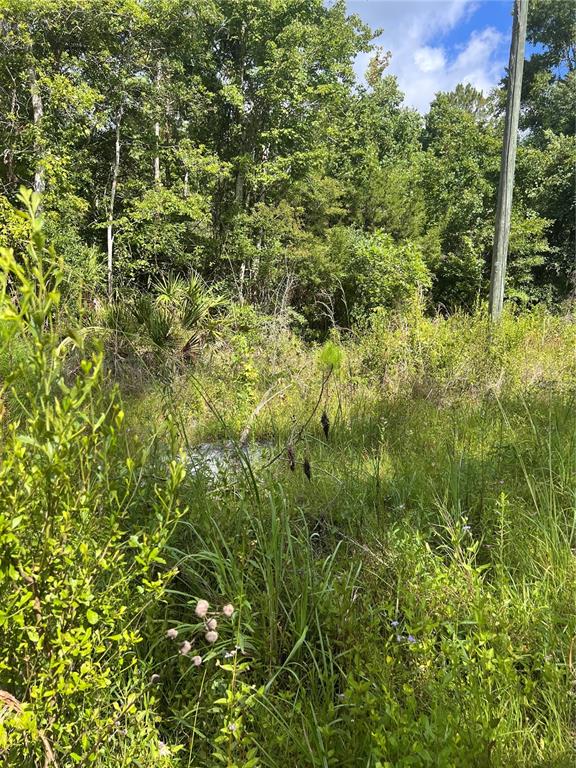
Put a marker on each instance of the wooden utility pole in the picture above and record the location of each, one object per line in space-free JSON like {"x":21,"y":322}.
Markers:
{"x":508,"y":162}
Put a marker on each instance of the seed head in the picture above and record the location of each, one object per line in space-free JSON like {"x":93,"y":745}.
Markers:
{"x":325,"y":421}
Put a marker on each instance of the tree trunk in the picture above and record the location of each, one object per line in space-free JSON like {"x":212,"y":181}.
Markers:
{"x":157,"y":129}
{"x":114,"y":185}
{"x":508,"y":162}
{"x":38,"y":114}
{"x":9,"y":152}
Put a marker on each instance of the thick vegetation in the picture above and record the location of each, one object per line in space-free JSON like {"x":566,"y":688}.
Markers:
{"x":231,"y":139}
{"x":273,"y":490}
{"x":376,"y":569}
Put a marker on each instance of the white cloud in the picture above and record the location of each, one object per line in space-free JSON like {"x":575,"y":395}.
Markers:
{"x":430,"y":59}
{"x":422,"y":61}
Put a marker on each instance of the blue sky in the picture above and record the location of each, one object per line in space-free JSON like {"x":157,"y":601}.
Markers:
{"x":436,"y":44}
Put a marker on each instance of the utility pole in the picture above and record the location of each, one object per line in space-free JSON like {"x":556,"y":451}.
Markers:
{"x":508,"y":162}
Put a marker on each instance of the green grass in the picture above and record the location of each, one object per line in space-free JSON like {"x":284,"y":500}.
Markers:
{"x":446,"y":506}
{"x":408,"y":601}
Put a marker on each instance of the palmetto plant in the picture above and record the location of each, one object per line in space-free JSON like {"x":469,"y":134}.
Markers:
{"x":201,"y":312}
{"x":180,"y":312}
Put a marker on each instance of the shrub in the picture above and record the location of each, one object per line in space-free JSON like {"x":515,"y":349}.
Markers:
{"x":81,"y":531}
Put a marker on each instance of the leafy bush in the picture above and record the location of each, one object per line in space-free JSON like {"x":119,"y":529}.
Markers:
{"x":81,"y":532}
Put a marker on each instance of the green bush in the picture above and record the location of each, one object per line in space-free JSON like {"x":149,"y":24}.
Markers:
{"x":82,"y":528}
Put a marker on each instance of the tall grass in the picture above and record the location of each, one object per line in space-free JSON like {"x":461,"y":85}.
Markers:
{"x":412,"y":604}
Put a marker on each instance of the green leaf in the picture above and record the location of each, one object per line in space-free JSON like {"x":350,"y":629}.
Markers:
{"x":92,"y":616}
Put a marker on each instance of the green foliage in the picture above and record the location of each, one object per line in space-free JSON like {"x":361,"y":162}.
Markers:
{"x":330,"y":356}
{"x":79,"y":568}
{"x":232,"y":140}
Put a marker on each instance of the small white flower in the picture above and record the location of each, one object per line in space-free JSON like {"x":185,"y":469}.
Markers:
{"x":211,"y":636}
{"x":163,"y":749}
{"x":201,"y":609}
{"x":197,"y":660}
{"x":228,"y":610}
{"x":185,"y":648}
{"x":172,"y":634}
{"x":211,"y":624}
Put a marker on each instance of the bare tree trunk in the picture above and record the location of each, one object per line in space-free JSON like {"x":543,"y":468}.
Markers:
{"x":115,"y":173}
{"x":239,"y":194}
{"x":508,"y":162}
{"x":9,"y":152}
{"x":157,"y":158}
{"x":186,"y":184}
{"x":241,"y":282}
{"x":157,"y":129}
{"x":38,"y":114}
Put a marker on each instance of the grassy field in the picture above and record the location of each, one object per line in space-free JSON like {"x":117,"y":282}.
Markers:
{"x":389,"y":582}
{"x":404,"y":584}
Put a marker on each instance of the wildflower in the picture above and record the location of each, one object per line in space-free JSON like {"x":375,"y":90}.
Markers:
{"x":232,"y":727}
{"x":196,"y":660}
{"x":154,"y":679}
{"x":185,"y":648}
{"x":211,"y":624}
{"x":411,"y":639}
{"x":466,"y":528}
{"x":202,"y":608}
{"x":399,"y":638}
{"x":211,"y":636}
{"x":230,"y":654}
{"x":172,"y":634}
{"x":228,"y":610}
{"x":394,"y":623}
{"x":163,"y":749}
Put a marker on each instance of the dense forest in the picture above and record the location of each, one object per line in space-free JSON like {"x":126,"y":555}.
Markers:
{"x":233,"y":140}
{"x":276,"y":489}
